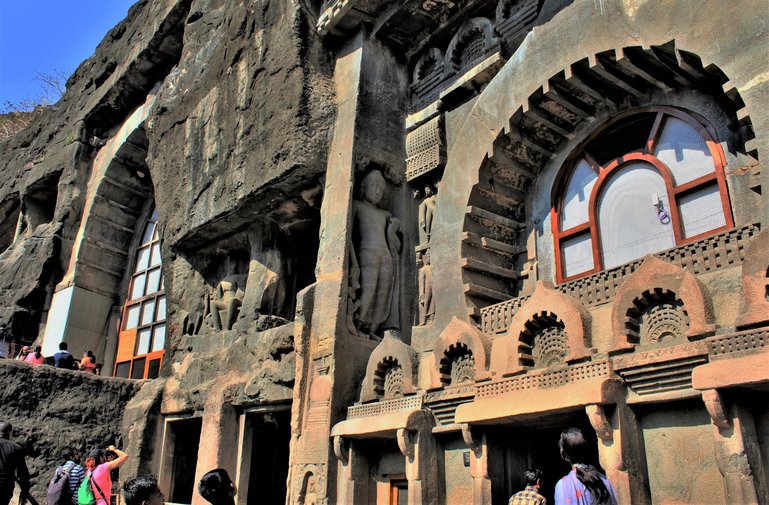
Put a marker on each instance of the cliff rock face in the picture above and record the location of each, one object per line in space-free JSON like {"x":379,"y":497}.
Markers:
{"x":51,"y":409}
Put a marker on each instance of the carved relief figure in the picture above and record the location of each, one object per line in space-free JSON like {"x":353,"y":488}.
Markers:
{"x":226,"y":301}
{"x":265,"y":291}
{"x":376,"y":245}
{"x":426,"y":301}
{"x":426,"y":213}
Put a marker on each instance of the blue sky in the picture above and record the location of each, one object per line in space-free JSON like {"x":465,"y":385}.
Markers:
{"x":49,"y":35}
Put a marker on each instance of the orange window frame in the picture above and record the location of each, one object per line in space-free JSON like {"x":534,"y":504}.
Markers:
{"x":675,"y":192}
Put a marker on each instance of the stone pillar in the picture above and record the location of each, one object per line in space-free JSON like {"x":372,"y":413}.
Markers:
{"x":737,"y":453}
{"x":352,"y":485}
{"x":419,"y":449}
{"x":479,"y":464}
{"x":620,"y":452}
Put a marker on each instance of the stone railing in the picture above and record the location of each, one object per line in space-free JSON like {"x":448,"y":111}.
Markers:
{"x":706,"y":255}
{"x":546,"y":379}
{"x":385,"y":407}
{"x":744,"y":341}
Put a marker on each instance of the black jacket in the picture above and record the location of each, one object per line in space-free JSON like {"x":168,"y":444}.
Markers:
{"x":12,"y":466}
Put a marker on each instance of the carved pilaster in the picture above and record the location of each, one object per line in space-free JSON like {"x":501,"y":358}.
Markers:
{"x":479,"y":463}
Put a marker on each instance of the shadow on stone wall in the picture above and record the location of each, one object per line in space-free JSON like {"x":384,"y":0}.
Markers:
{"x":51,"y":409}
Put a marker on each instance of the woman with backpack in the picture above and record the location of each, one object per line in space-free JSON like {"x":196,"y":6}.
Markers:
{"x":97,"y":485}
{"x":584,"y":485}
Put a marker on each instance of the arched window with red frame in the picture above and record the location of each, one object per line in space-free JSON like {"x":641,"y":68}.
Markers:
{"x":651,"y":180}
{"x":142,"y":336}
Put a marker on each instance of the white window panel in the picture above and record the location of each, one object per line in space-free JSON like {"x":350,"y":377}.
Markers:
{"x":155,"y":254}
{"x":577,"y":255}
{"x":701,"y":211}
{"x":161,"y":313}
{"x":159,"y":338}
{"x":142,"y":259}
{"x":576,"y":198}
{"x":148,"y":312}
{"x":132,"y":317}
{"x":144,"y":342}
{"x":137,"y":290}
{"x":684,"y":151}
{"x":153,"y":281}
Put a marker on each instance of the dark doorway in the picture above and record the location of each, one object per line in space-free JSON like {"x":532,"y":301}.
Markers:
{"x":270,"y":434}
{"x":533,"y":444}
{"x":183,"y":444}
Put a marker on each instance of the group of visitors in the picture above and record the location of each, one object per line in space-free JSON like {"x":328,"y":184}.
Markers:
{"x":583,"y":485}
{"x":62,"y":359}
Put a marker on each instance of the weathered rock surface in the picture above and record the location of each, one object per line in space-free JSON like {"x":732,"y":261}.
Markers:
{"x":51,"y":409}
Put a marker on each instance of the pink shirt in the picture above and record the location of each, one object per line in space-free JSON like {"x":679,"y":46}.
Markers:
{"x":101,"y":477}
{"x":31,"y":358}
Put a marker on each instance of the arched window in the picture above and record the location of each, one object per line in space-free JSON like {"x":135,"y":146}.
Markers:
{"x":651,"y":180}
{"x":142,"y":335}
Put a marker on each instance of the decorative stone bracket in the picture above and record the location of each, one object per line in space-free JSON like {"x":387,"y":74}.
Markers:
{"x":600,"y":422}
{"x":407,"y":440}
{"x":716,"y":408}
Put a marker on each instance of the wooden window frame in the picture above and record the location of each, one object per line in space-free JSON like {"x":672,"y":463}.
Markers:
{"x":675,"y":192}
{"x":133,"y":333}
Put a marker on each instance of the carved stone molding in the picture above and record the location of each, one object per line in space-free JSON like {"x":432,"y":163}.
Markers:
{"x":460,"y":333}
{"x":755,"y":282}
{"x":716,"y":408}
{"x":390,"y":350}
{"x":600,"y":422}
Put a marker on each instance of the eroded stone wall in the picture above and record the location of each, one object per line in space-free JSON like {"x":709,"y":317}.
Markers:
{"x":51,"y":409}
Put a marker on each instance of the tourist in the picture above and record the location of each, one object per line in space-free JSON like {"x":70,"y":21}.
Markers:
{"x":98,"y":469}
{"x":88,"y":363}
{"x":25,"y":350}
{"x":63,"y":359}
{"x":143,"y":490}
{"x":584,"y":485}
{"x":35,"y":358}
{"x":530,"y":495}
{"x":6,"y":340}
{"x":217,"y":487}
{"x":12,"y":466}
{"x":76,"y":472}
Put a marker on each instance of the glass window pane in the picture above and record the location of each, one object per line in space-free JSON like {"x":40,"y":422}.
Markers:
{"x":154,"y":216}
{"x":701,"y":211}
{"x":153,"y":281}
{"x":148,"y":312}
{"x":137,"y":290}
{"x":142,"y":259}
{"x":138,"y":368}
{"x":576,"y":198}
{"x":155,"y":254}
{"x":577,"y":255}
{"x":154,"y":369}
{"x":132,"y":317}
{"x":159,"y":338}
{"x":144,"y":342}
{"x":161,"y":315}
{"x":148,"y":230}
{"x":684,"y":151}
{"x":123,"y":369}
{"x":629,"y":215}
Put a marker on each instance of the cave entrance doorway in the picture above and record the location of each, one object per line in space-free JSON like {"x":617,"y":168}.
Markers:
{"x":181,"y":441}
{"x":534,"y":444}
{"x":264,"y":452}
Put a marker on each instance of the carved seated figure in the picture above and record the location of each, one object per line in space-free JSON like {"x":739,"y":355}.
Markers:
{"x":225,"y":302}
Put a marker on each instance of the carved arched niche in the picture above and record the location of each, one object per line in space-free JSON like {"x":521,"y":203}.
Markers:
{"x":547,"y":314}
{"x":457,"y":344}
{"x":391,"y":363}
{"x":755,"y":282}
{"x":654,"y":284}
{"x":475,"y":37}
{"x":428,"y":63}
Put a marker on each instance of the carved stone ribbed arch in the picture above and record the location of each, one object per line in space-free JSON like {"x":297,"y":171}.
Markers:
{"x":474,"y":30}
{"x":546,"y":308}
{"x":122,"y":194}
{"x":606,"y":84}
{"x":430,"y":62}
{"x":391,"y":353}
{"x":457,"y":336}
{"x":655,"y":282}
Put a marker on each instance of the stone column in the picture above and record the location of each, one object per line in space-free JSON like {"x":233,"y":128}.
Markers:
{"x":419,"y":449}
{"x":352,"y":485}
{"x":479,"y":464}
{"x":620,"y":452}
{"x":737,"y":454}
